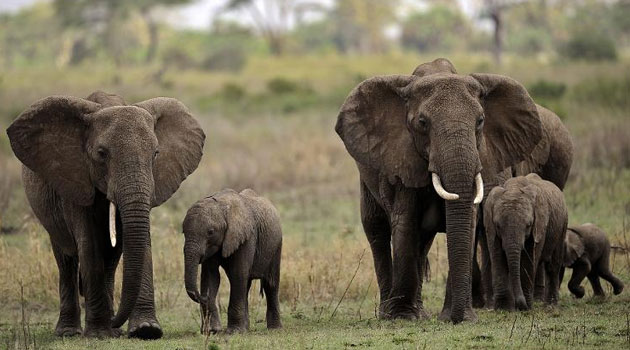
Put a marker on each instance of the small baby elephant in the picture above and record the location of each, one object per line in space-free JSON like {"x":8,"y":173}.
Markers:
{"x":525,"y":222}
{"x":587,"y":252}
{"x":240,"y":232}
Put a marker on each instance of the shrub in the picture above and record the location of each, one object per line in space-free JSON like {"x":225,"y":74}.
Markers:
{"x":229,"y":59}
{"x":232,"y":92}
{"x":589,"y":46}
{"x":604,"y":91}
{"x":280,"y":86}
{"x":547,"y":89}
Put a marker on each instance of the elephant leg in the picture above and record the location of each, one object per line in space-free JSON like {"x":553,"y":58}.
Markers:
{"x":539,"y":288}
{"x":271,"y":286}
{"x":603,"y":267}
{"x":69,"y":322}
{"x":581,"y":268}
{"x":143,"y":323}
{"x":593,"y":277}
{"x":237,"y":308}
{"x":477,"y":285}
{"x":98,"y":306}
{"x":530,"y":269}
{"x":553,"y":276}
{"x":210,"y":282}
{"x":486,"y":269}
{"x":426,"y":240}
{"x":378,"y":233}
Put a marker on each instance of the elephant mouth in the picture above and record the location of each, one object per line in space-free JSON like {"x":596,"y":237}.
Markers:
{"x":112,"y":223}
{"x":437,"y":185}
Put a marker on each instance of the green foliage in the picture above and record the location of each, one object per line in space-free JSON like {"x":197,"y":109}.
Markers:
{"x":232,"y":92}
{"x":590,"y":46}
{"x":605,"y":91}
{"x":547,"y":89}
{"x":439,"y":28}
{"x":229,"y":59}
{"x":280,"y":86}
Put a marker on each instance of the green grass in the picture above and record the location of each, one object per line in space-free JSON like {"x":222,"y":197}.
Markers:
{"x":283,"y":145}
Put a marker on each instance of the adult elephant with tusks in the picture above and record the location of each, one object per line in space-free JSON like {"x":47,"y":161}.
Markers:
{"x":93,"y":169}
{"x":424,"y":145}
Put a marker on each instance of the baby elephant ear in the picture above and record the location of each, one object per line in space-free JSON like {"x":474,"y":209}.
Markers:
{"x":512,"y":125}
{"x":240,"y":225}
{"x":372,"y":123}
{"x":573,"y":248}
{"x":438,"y":65}
{"x":180,"y":143}
{"x":49,"y":138}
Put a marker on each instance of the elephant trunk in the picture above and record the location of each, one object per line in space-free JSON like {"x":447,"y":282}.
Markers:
{"x":513,"y":254}
{"x":191,"y":268}
{"x":134,"y":206}
{"x":458,"y":173}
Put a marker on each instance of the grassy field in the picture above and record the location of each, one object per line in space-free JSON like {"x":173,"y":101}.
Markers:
{"x":270,"y":127}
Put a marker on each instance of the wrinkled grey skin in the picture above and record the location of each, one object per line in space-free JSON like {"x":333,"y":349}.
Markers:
{"x":240,"y":232}
{"x":81,"y":154}
{"x":525,"y":222}
{"x":551,"y":159}
{"x":587,"y":252}
{"x":400,"y":129}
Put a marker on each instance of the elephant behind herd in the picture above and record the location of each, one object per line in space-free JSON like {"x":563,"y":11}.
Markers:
{"x":429,"y":148}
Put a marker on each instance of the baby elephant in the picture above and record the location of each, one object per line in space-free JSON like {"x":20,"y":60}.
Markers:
{"x":587,"y":252}
{"x":526,"y":222}
{"x":240,"y":232}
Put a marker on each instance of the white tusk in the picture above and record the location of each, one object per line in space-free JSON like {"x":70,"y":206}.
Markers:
{"x":112,"y":223}
{"x":437,"y":184}
{"x":479,"y":189}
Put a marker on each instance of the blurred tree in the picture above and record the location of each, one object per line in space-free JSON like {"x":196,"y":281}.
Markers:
{"x":361,"y":24}
{"x":441,"y":27}
{"x":273,"y":18}
{"x":102,"y":18}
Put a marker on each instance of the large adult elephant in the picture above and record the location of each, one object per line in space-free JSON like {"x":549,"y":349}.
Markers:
{"x":93,"y":169}
{"x":424,"y":144}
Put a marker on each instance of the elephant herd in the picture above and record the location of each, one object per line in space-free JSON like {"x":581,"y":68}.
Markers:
{"x":469,"y":155}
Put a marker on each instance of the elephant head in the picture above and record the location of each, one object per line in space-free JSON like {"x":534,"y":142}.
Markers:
{"x":446,"y":129}
{"x":573,"y":247}
{"x":135,"y":155}
{"x":219,"y":223}
{"x":515,"y":219}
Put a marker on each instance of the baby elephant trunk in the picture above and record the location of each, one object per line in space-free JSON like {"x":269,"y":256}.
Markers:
{"x":191,"y":268}
{"x":514,"y":266}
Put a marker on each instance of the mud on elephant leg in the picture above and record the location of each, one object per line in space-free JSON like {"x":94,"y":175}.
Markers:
{"x":143,"y":323}
{"x":69,"y":322}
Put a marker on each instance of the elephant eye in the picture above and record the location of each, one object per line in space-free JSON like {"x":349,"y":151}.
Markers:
{"x":157,"y":151}
{"x":102,"y":153}
{"x":422,"y":122}
{"x":480,"y":121}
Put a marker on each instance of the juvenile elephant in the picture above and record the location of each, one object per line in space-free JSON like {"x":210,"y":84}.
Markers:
{"x":525,"y":221}
{"x":240,"y":232}
{"x":425,"y":145}
{"x":93,"y":169}
{"x":587,"y":252}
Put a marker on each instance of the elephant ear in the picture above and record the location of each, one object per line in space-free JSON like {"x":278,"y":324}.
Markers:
{"x":512,"y":125}
{"x":573,"y":247}
{"x":49,"y":138}
{"x":106,"y":99}
{"x":180,"y":142}
{"x":488,"y":215}
{"x":372,"y":123}
{"x":240,"y":225}
{"x":541,"y":214}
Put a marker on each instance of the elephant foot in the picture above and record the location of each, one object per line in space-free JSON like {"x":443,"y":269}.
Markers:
{"x":577,"y":291}
{"x":469,"y":315}
{"x":211,"y":328}
{"x":398,"y":310}
{"x":618,"y":289}
{"x":478,"y":301}
{"x":274,"y":323}
{"x":67,"y":331}
{"x":101,"y":333}
{"x":149,"y":329}
{"x":521,"y":304}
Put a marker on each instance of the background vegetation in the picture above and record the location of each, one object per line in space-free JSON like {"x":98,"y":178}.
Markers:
{"x":267,"y":95}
